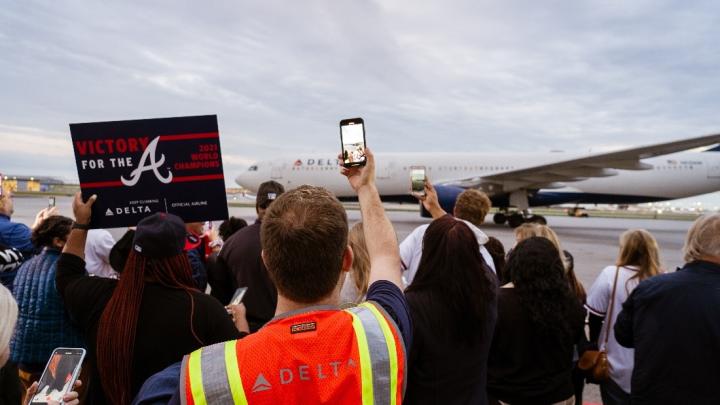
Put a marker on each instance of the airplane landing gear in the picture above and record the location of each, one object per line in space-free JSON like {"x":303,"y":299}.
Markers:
{"x":500,"y":218}
{"x":538,"y":219}
{"x":516,"y":219}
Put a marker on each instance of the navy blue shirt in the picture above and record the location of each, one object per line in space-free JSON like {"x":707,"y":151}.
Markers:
{"x":159,"y":388}
{"x":673,"y":322}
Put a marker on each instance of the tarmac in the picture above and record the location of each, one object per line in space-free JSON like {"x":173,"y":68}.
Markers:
{"x":592,"y":241}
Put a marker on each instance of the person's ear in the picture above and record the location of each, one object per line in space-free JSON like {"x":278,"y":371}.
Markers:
{"x":58,"y":242}
{"x":348,"y":256}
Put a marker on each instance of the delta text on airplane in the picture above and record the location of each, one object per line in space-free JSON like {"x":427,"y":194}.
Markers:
{"x":515,"y":182}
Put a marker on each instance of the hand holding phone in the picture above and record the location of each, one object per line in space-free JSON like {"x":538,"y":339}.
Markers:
{"x":58,"y":379}
{"x":417,"y":181}
{"x":352,"y":142}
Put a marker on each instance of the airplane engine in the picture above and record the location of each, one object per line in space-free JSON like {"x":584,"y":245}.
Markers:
{"x":446,"y":197}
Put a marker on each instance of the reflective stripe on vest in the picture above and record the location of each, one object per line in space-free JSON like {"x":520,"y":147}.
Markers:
{"x":214,"y":381}
{"x":212,"y":374}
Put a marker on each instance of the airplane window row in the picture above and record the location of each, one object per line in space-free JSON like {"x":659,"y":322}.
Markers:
{"x":675,"y":167}
{"x":405,"y":168}
{"x":478,"y":168}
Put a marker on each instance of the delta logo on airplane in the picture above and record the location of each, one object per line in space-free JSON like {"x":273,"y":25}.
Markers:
{"x":316,"y":162}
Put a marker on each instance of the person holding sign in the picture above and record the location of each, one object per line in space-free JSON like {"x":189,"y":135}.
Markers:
{"x":146,"y":320}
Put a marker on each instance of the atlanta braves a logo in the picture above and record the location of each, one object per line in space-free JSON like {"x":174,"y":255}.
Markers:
{"x":148,"y":154}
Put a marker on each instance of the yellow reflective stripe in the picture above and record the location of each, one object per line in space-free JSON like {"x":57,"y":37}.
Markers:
{"x":233,"y":373}
{"x":196,"y":382}
{"x":366,"y":376}
{"x":392,"y":349}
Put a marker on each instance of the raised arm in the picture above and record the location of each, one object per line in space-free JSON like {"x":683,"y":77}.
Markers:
{"x":380,"y":236}
{"x":82,"y":211}
{"x":430,"y":201}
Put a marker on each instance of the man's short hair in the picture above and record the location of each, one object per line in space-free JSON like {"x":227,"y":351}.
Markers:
{"x":703,"y":238}
{"x":268,"y":192}
{"x":472,"y":205}
{"x":304,"y":234}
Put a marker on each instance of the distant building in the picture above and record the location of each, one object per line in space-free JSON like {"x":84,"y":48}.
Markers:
{"x":16,"y":183}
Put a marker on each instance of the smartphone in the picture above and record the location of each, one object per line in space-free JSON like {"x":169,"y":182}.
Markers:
{"x":59,"y":376}
{"x":51,"y":202}
{"x":417,"y":180}
{"x":352,"y":142}
{"x":238,"y":296}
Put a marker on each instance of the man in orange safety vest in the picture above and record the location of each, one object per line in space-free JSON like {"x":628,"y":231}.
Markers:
{"x":313,"y":351}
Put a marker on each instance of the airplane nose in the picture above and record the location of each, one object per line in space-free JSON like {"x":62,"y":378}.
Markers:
{"x":240,"y":180}
{"x":249,"y":178}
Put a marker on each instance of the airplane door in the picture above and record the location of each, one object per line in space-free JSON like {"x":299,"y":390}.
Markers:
{"x":386,"y":170}
{"x":713,"y":166}
{"x":277,"y":171}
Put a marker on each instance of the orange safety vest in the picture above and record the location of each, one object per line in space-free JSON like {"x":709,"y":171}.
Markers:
{"x":326,"y":355}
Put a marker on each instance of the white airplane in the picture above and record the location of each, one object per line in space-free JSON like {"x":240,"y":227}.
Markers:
{"x":637,"y":175}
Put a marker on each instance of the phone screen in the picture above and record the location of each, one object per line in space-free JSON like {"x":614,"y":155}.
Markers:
{"x":59,"y":376}
{"x":352,"y":138}
{"x":417,"y":180}
{"x":238,"y":296}
{"x":51,"y":202}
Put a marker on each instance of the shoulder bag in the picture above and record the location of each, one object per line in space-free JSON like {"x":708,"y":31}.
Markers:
{"x":594,"y":363}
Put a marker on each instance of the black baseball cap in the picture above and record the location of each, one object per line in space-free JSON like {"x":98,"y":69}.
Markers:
{"x":268,"y":192}
{"x":160,"y":235}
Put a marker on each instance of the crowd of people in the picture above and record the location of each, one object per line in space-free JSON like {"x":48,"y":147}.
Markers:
{"x":335,"y":313}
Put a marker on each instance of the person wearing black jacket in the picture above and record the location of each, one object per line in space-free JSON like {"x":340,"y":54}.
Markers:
{"x":240,"y":258}
{"x":539,"y":322}
{"x":146,"y":320}
{"x":673,"y":323}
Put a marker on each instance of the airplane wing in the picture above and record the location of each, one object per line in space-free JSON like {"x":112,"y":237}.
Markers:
{"x":553,"y":175}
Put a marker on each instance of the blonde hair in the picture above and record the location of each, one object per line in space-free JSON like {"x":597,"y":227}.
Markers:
{"x":528,"y":230}
{"x":361,"y":259}
{"x":703,"y":238}
{"x":639,"y":248}
{"x":8,"y":317}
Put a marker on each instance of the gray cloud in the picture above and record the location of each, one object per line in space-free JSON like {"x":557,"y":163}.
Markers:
{"x":450,"y":75}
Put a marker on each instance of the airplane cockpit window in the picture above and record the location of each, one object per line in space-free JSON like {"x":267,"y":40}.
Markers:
{"x":252,"y":168}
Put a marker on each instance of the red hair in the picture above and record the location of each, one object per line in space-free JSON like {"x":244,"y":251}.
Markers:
{"x":118,"y":323}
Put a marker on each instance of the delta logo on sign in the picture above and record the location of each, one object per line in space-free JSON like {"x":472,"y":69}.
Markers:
{"x":140,"y":167}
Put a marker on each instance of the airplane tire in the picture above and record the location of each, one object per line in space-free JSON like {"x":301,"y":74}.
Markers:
{"x":538,"y":219}
{"x":515,"y":220}
{"x":499,"y":218}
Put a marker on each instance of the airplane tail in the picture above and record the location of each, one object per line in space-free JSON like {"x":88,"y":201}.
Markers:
{"x":716,"y":148}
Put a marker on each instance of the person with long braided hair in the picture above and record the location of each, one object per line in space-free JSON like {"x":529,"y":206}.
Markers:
{"x":146,"y":320}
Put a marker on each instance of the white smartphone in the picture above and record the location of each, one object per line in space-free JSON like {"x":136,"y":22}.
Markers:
{"x":238,"y":296}
{"x":417,"y":180}
{"x":59,"y":376}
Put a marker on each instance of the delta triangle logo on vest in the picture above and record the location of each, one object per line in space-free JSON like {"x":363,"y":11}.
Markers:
{"x":261,"y":384}
{"x":139,"y":167}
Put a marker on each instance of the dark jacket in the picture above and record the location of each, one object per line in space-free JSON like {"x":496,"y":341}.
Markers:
{"x":43,"y":324}
{"x":240,"y":256}
{"x":10,"y":261}
{"x":527,"y":366}
{"x":673,"y":323}
{"x":443,"y":367}
{"x":172,"y":322}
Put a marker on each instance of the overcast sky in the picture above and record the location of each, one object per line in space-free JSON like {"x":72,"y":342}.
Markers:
{"x":426,"y":76}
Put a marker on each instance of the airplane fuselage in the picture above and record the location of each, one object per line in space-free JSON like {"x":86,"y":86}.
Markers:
{"x":671,"y":176}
